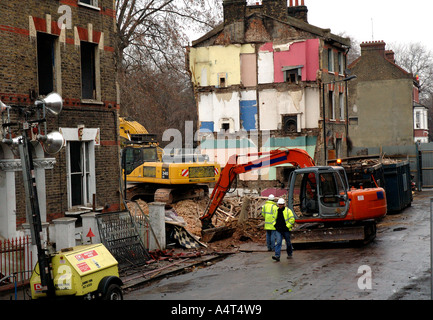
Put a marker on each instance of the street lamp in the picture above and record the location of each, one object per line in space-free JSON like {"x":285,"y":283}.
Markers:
{"x":52,"y":143}
{"x":324,"y":111}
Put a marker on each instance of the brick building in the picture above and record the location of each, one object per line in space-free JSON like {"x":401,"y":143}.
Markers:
{"x":382,"y":100}
{"x":67,"y":47}
{"x":266,"y":72}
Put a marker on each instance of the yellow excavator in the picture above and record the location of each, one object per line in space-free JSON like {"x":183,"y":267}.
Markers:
{"x":149,"y":174}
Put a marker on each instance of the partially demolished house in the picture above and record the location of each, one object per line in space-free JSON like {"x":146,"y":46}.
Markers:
{"x":265,"y":79}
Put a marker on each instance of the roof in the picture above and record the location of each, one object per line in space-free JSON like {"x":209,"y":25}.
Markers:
{"x":356,"y":61}
{"x":291,"y":21}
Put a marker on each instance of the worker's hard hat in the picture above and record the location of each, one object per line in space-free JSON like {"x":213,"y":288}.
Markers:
{"x":281,"y":201}
{"x":271,"y":197}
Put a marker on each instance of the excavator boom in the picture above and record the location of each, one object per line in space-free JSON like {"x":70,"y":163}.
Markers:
{"x":296,"y":157}
{"x":322,"y":196}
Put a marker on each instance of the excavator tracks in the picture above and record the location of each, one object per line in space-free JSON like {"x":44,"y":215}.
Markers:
{"x":361,"y":233}
{"x":172,"y":195}
{"x":168,"y":195}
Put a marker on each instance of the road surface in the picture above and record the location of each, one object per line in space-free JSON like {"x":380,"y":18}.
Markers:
{"x":395,"y":266}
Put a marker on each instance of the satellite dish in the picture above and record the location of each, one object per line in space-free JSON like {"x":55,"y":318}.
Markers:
{"x":53,"y":143}
{"x":53,"y":102}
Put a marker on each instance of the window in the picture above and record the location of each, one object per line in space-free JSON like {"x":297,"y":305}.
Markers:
{"x":222,"y":80}
{"x":93,"y":3}
{"x":418,"y":120}
{"x":80,"y":164}
{"x":305,"y":195}
{"x":330,"y":60}
{"x":331,"y":105}
{"x":48,"y":64}
{"x":136,"y":156}
{"x":293,"y":74}
{"x":342,"y":104}
{"x":81,"y":172}
{"x":226,"y":125}
{"x":89,"y":79}
{"x":340,"y":63}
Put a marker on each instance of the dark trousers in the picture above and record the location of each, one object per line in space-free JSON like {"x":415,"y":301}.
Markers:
{"x":279,"y":237}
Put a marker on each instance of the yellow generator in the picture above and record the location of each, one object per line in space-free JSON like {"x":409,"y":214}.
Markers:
{"x":154,"y":176}
{"x":87,"y":272}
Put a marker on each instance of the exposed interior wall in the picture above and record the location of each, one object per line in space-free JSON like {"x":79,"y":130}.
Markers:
{"x":208,"y":65}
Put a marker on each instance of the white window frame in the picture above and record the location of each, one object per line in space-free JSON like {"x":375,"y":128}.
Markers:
{"x":342,"y":105}
{"x":332,"y":108}
{"x":93,"y":5}
{"x":418,"y":120}
{"x":341,"y":63}
{"x":331,"y":60}
{"x":89,"y":139}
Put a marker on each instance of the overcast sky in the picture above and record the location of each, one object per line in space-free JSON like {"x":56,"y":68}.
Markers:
{"x":393,"y":21}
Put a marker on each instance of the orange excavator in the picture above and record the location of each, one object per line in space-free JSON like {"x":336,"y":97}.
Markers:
{"x":325,"y":207}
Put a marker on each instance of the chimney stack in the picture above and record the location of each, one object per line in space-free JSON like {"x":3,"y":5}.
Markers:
{"x":297,"y":9}
{"x":389,"y":55}
{"x":234,"y":10}
{"x":373,"y":46}
{"x":275,"y":8}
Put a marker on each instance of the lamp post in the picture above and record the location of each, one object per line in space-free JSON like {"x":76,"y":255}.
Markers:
{"x":324,"y":111}
{"x":52,"y":143}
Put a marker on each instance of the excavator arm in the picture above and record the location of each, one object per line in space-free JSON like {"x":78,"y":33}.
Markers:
{"x":296,"y":157}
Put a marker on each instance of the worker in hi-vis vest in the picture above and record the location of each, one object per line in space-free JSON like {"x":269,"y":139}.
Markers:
{"x":267,"y":212}
{"x":284,"y":220}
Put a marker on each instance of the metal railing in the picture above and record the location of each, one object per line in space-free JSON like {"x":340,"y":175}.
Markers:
{"x":15,"y":260}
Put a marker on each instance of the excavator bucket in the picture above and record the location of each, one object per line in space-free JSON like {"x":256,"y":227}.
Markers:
{"x":215,"y":234}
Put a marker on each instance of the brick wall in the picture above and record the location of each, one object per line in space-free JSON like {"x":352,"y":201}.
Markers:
{"x":21,"y":20}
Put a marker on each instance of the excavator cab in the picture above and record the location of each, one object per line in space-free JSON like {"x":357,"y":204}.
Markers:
{"x":319,"y":193}
{"x":136,"y":156}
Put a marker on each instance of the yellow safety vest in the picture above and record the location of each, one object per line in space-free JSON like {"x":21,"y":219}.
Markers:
{"x":268,"y":213}
{"x":289,"y":217}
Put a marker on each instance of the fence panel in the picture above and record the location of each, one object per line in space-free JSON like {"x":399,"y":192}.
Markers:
{"x":15,"y":260}
{"x":119,"y":234}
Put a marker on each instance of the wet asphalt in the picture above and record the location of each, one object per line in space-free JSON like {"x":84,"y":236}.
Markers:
{"x":395,"y":266}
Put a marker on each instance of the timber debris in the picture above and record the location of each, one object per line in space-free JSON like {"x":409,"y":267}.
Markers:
{"x":241,"y":213}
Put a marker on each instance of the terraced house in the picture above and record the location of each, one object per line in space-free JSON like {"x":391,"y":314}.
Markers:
{"x":265,"y":72}
{"x":67,"y":47}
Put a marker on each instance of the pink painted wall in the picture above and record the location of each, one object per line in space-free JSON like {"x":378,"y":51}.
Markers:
{"x":304,"y":53}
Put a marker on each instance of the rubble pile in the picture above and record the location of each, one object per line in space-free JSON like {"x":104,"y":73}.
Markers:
{"x":227,"y":214}
{"x":374,"y":161}
{"x":241,"y":213}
